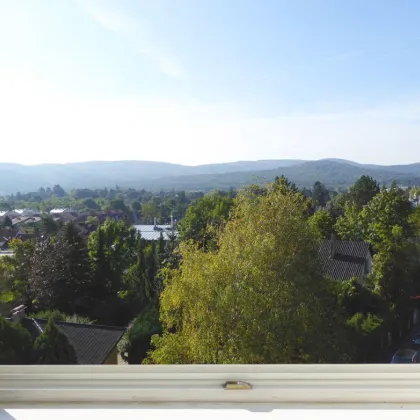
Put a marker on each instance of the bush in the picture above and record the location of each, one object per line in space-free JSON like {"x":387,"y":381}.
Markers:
{"x":136,"y":342}
{"x":366,"y":329}
{"x":58,"y":316}
{"x":53,"y":314}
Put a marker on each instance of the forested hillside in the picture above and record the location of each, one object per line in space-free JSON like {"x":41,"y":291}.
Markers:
{"x":156,"y":176}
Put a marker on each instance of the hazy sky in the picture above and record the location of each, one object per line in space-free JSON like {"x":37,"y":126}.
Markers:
{"x":202,"y":81}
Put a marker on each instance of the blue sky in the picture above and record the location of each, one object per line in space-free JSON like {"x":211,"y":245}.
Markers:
{"x":202,"y":81}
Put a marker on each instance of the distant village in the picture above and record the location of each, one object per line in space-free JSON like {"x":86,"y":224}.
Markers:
{"x":25,"y":224}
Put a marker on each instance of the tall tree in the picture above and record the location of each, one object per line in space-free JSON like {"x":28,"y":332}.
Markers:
{"x":149,"y":211}
{"x":320,"y":194}
{"x":48,"y":225}
{"x":112,"y":249}
{"x":79,"y":275}
{"x":363,"y":190}
{"x":386,"y":223}
{"x":259,"y":298}
{"x":52,"y":347}
{"x":58,"y":191}
{"x":60,"y":276}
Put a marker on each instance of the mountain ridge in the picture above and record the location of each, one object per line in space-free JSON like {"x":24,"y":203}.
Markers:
{"x":160,"y":175}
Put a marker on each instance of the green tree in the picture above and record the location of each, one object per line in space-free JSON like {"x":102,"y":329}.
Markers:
{"x":118,"y":204}
{"x":386,"y":223}
{"x":52,"y":347}
{"x":58,"y":191}
{"x":16,"y":273}
{"x":386,"y":211}
{"x":320,"y":194}
{"x":15,"y":344}
{"x":363,"y":190}
{"x":149,"y":210}
{"x":90,"y":203}
{"x":349,"y":225}
{"x":138,"y":289}
{"x":136,"y":206}
{"x":49,"y":226}
{"x":60,"y":275}
{"x":112,"y":250}
{"x":322,"y":224}
{"x":204,"y":218}
{"x":259,"y":298}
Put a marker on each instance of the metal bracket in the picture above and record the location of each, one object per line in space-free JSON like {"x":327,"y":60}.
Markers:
{"x":230,"y":385}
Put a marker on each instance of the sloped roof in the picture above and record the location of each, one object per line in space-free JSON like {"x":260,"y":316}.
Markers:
{"x":92,"y":343}
{"x":349,"y":259}
{"x":7,"y":233}
{"x":152,"y":232}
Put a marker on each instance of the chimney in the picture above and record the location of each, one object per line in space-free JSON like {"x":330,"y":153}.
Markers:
{"x":172,"y":221}
{"x":333,"y":246}
{"x":154,"y":221}
{"x":18,"y":313}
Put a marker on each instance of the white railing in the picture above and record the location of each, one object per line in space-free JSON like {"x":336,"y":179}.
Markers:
{"x":271,"y":386}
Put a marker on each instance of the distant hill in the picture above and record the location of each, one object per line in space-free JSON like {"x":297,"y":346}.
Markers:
{"x":331,"y":173}
{"x":14,"y":177}
{"x":159,"y":175}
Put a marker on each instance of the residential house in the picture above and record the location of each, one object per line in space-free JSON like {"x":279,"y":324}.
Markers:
{"x":24,"y":220}
{"x":9,"y":213}
{"x":344,"y":260}
{"x":93,"y":344}
{"x":6,"y":235}
{"x":115,"y":214}
{"x":24,"y":236}
{"x":28,"y":212}
{"x":64,"y":214}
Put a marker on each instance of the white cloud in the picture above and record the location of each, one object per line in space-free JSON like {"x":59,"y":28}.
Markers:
{"x":136,"y":33}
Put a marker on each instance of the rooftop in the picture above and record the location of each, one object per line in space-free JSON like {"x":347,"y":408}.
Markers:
{"x":348,"y":260}
{"x":153,"y":232}
{"x":92,"y":343}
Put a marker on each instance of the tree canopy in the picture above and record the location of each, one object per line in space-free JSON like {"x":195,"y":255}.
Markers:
{"x":259,"y":298}
{"x":203,"y":219}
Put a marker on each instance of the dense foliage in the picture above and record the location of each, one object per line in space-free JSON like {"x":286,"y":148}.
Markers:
{"x":259,"y":298}
{"x":15,"y":344}
{"x":241,"y":284}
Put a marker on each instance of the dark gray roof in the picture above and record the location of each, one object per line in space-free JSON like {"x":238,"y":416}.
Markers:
{"x":92,"y":343}
{"x":349,"y":259}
